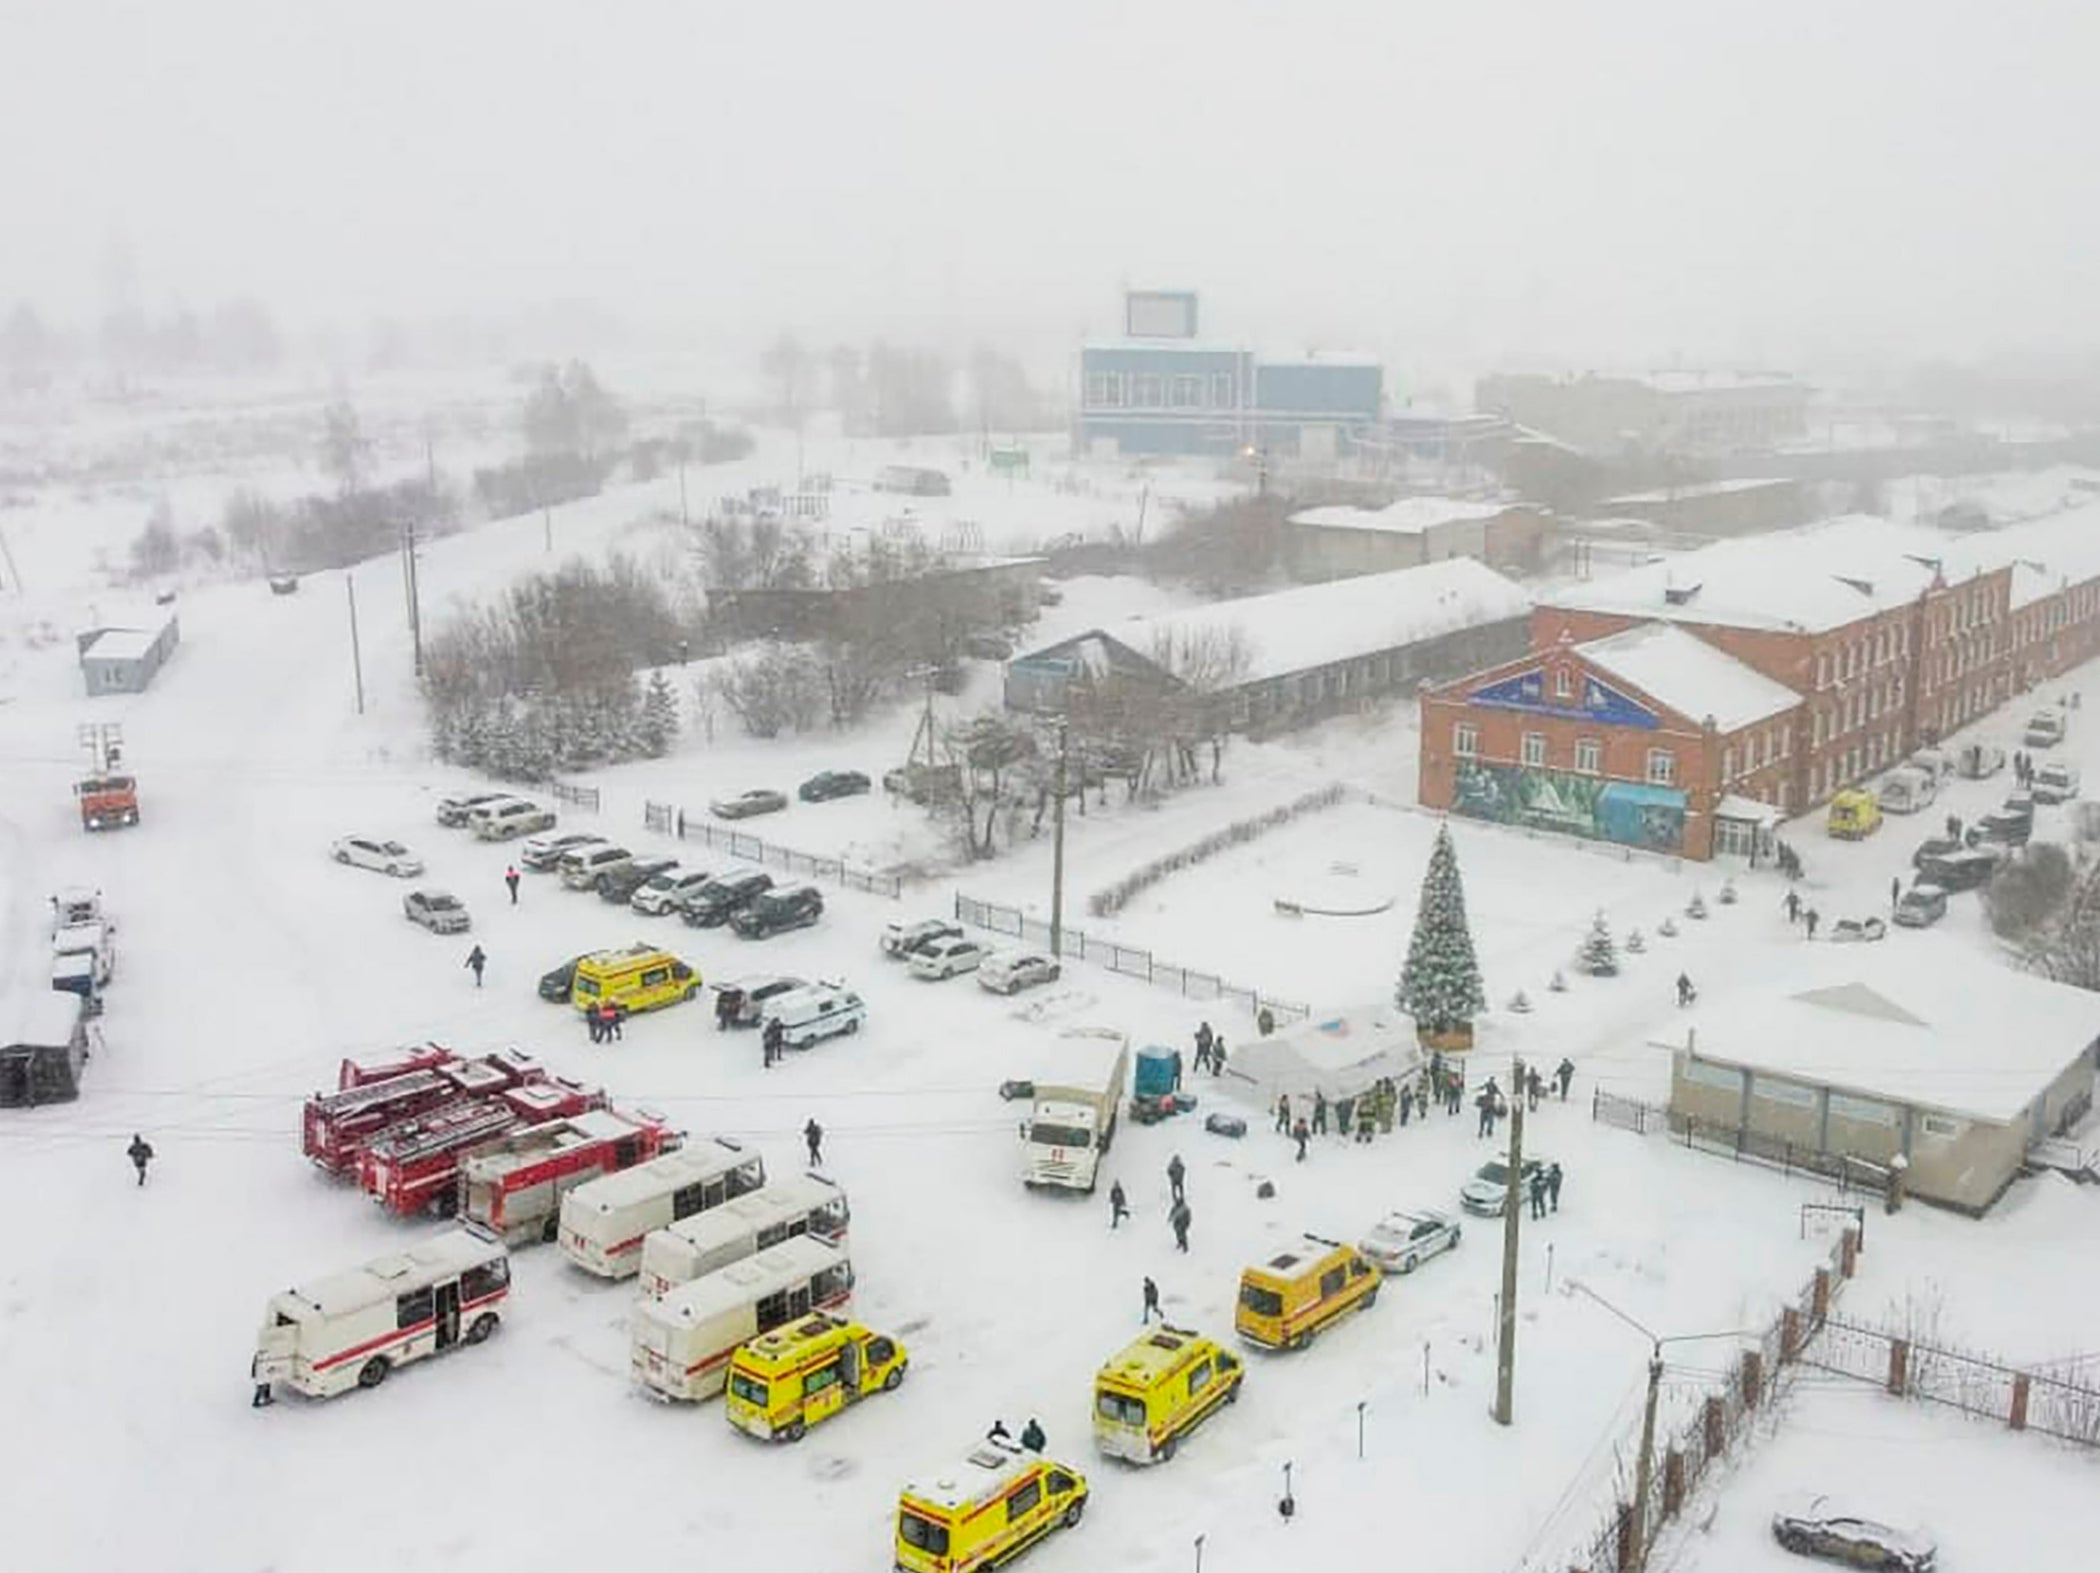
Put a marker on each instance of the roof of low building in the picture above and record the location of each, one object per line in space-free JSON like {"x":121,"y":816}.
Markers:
{"x":1408,"y":516}
{"x":1689,"y":675}
{"x":1918,"y":1019}
{"x":1756,"y":483}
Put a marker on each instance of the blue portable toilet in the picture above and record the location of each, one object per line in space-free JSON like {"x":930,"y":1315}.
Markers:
{"x":1155,"y":1073}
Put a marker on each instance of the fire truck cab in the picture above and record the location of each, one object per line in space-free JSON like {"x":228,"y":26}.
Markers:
{"x":107,"y":800}
{"x":513,"y":1186}
{"x":350,"y":1330}
{"x":413,"y":1167}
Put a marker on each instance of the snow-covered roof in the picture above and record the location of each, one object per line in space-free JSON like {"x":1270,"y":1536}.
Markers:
{"x":1718,"y":381}
{"x":386,"y":1277}
{"x":1732,"y":806}
{"x":1808,"y":580}
{"x":1408,"y":516}
{"x":2046,"y":553}
{"x":1339,"y":1054}
{"x":38,"y":1018}
{"x":1317,"y":625}
{"x":1689,"y":675}
{"x":701,"y":1160}
{"x":123,"y":644}
{"x":1703,"y":489}
{"x":1922,"y":1021}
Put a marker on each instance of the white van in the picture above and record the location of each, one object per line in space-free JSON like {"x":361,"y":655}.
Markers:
{"x":2055,"y":782}
{"x":709,"y":1241}
{"x":682,"y":1343}
{"x":513,"y":816}
{"x":580,"y":869}
{"x":92,"y":941}
{"x":604,"y":1221}
{"x":806,"y":1016}
{"x":2045,"y":729}
{"x":333,"y":1334}
{"x":1908,"y":789}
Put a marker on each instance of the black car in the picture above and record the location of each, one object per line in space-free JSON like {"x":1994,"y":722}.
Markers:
{"x":555,"y":985}
{"x":715,"y":902}
{"x":2006,"y":826}
{"x":619,"y":886}
{"x":828,"y":784}
{"x":793,"y":907}
{"x":1968,"y":869}
{"x":1932,"y":847}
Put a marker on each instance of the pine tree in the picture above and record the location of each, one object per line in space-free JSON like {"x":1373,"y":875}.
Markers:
{"x":1600,"y":954}
{"x":1440,"y":985}
{"x":657,"y":728}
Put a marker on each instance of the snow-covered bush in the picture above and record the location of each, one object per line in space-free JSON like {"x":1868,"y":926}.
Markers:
{"x":1107,"y":902}
{"x":1599,"y":956}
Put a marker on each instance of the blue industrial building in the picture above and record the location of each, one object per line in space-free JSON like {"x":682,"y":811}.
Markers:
{"x":1159,"y":389}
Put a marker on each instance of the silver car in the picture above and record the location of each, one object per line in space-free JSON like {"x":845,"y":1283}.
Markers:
{"x":437,"y":910}
{"x":1812,"y":1530}
{"x":1400,"y":1241}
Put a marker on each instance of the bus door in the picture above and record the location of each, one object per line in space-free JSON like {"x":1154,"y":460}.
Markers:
{"x":448,"y":1314}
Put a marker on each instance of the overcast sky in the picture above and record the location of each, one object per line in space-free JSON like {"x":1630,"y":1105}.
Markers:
{"x":1594,"y":180}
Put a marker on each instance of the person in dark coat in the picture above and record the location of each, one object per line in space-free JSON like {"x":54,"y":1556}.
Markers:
{"x":1152,"y":1301}
{"x":1177,"y":1070}
{"x":1204,"y":1039}
{"x":1301,"y":1135}
{"x":597,"y":1027}
{"x":1811,"y":919}
{"x":813,"y":1134}
{"x":1175,"y":1174}
{"x":477,"y":958}
{"x":1283,"y":1112}
{"x":1407,"y":1103}
{"x":1343,"y":1109}
{"x":725,"y":1009}
{"x":1485,"y":1103}
{"x":1553,"y":1185}
{"x":1538,"y":1193}
{"x":1319,"y":1118}
{"x":1564,"y":1074}
{"x":776,"y":1041}
{"x":1685,"y":992}
{"x":1179,"y":1220}
{"x":1118,"y":1204}
{"x":510,"y":878}
{"x":998,"y":1433}
{"x":1217,"y":1056}
{"x":1793,"y":908}
{"x":1032,"y":1437}
{"x":140,"y":1152}
{"x":1532,"y":1085}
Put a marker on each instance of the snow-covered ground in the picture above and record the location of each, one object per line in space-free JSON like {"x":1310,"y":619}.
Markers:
{"x":250,"y":964}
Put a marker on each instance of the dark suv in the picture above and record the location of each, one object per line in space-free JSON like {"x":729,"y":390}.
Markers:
{"x":794,"y":907}
{"x":715,"y":902}
{"x":619,"y":886}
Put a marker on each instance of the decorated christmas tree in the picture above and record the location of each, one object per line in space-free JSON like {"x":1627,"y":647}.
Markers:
{"x":1600,"y":955}
{"x":1440,"y":985}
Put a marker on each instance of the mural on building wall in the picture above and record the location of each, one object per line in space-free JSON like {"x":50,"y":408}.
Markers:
{"x":1622,"y":811}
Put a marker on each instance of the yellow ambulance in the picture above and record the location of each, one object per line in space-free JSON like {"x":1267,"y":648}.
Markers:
{"x":1300,"y":1290}
{"x":1855,"y":814}
{"x":783,"y":1382}
{"x":1147,"y":1398}
{"x":995,"y":1504}
{"x":641,"y":977}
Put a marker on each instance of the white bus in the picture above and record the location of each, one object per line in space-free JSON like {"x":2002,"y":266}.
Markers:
{"x":350,"y":1330}
{"x":603,"y":1220}
{"x":683,"y":1342}
{"x":694,"y":1247}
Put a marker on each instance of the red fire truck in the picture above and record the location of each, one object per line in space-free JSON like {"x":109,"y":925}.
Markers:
{"x":414,"y":1167}
{"x":378,"y":1094}
{"x":513,"y":1186}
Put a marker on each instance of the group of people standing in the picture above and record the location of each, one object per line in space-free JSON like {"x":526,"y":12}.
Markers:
{"x":1372,"y":1112}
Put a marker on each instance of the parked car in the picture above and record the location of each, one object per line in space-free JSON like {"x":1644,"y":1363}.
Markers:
{"x":1852,"y":929}
{"x":1814,"y":1529}
{"x":944,"y":958}
{"x":759,"y":800}
{"x":899,"y":940}
{"x":437,"y":910}
{"x":1934,"y":846}
{"x":385,"y":857}
{"x":619,"y":885}
{"x":543,"y":854}
{"x":666,"y":890}
{"x":1935,"y":762}
{"x":789,"y":907}
{"x":1921,"y":906}
{"x":556,"y":985}
{"x":1970,"y":868}
{"x":744,"y":1001}
{"x":715,"y":902}
{"x":2006,"y":826}
{"x":1010,"y":971}
{"x":2056,"y":782}
{"x":583,"y":867}
{"x":1908,"y":789}
{"x":2045,"y":729}
{"x":509,"y":819}
{"x":828,"y":784}
{"x":1979,"y":760}
{"x":1486,"y":1191}
{"x":453,"y":812}
{"x":806,"y":1016}
{"x":1400,"y":1241}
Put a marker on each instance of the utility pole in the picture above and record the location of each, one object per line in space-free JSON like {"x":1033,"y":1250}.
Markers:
{"x":1512,"y":1205}
{"x":1644,"y":1470}
{"x":357,"y":660}
{"x":415,"y":600}
{"x":684,"y":518}
{"x":1057,"y":854}
{"x":547,"y":520}
{"x":430,"y":463}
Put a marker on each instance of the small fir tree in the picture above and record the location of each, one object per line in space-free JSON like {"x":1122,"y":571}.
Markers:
{"x":1440,"y":986}
{"x":657,"y":727}
{"x":1600,"y":953}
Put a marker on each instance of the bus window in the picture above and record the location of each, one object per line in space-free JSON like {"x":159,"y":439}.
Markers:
{"x":1019,"y":1504}
{"x":419,"y":1305}
{"x":1332,"y":1280}
{"x":479,"y":1282}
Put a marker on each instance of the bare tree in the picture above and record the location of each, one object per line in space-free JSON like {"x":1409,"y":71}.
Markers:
{"x":2028,"y":890}
{"x":772,"y":689}
{"x":344,"y":447}
{"x":990,"y":752}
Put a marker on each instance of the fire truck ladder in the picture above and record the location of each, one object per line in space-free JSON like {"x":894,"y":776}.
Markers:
{"x":446,"y":1130}
{"x":377,"y":1094}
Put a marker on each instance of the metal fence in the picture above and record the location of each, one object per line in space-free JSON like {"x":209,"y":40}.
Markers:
{"x":1130,"y":960}
{"x":578,"y":796}
{"x":669,"y":820}
{"x":1848,"y":1173}
{"x":1976,"y":1384}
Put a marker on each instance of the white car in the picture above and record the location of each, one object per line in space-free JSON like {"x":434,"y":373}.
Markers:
{"x":439,"y":911}
{"x":542,"y":853}
{"x":1489,"y":1188}
{"x":453,"y":812}
{"x":944,"y":958}
{"x":899,"y":940}
{"x":1399,"y":1241}
{"x":515,"y":816}
{"x":1010,"y":971}
{"x":385,"y":857}
{"x":666,"y":891}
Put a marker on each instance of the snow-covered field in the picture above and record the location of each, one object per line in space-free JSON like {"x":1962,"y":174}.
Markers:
{"x":250,"y":964}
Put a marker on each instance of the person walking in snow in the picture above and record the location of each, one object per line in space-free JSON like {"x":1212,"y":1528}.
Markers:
{"x":477,"y":958}
{"x":1032,"y":1437}
{"x":1178,"y":1219}
{"x":140,"y":1152}
{"x":1810,"y":918}
{"x":1283,"y":1112}
{"x":1564,"y":1073}
{"x":1538,"y":1193}
{"x":813,"y":1134}
{"x":510,"y":878}
{"x":1485,"y":1103}
{"x":725,"y":1009}
{"x":1407,"y":1104}
{"x":1685,"y":992}
{"x":1175,"y":1175}
{"x":1319,"y":1118}
{"x":596,"y":1027}
{"x":1553,"y":1185}
{"x":1793,"y":908}
{"x":998,"y":1432}
{"x":609,"y":1019}
{"x":1176,"y":1062}
{"x":1204,"y":1039}
{"x":1895,"y":894}
{"x":1118,"y":1205}
{"x":1152,"y":1301}
{"x":1344,"y":1108}
{"x":1217,"y":1056}
{"x":775,"y":1037}
{"x":1301,"y":1135}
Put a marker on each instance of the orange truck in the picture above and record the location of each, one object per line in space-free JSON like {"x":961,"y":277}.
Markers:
{"x":107,"y":800}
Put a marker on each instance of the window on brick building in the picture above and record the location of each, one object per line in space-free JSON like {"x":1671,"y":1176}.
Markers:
{"x":1728,"y":764}
{"x":1823,"y":671}
{"x":1589,"y":756}
{"x":1465,"y":740}
{"x":1535,"y":750}
{"x":1563,"y":684}
{"x":1662,"y":767}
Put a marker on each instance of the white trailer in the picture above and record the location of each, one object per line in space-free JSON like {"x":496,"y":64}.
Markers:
{"x":694,"y":1247}
{"x":1073,"y":1109}
{"x":604,"y":1221}
{"x":325,"y":1337}
{"x":683,"y":1342}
